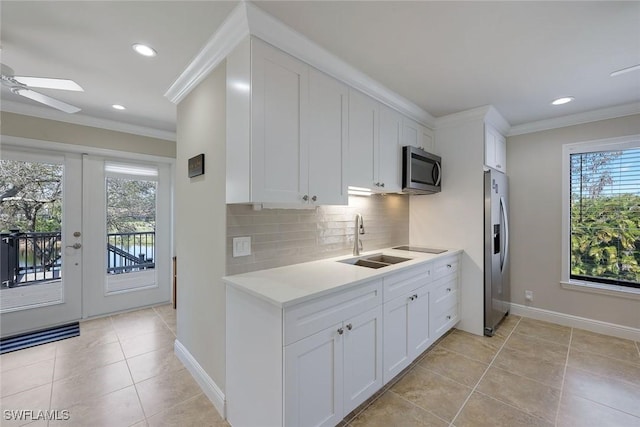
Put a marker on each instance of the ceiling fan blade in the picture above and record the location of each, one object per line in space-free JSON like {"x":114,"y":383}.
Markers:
{"x":48,"y":83}
{"x":47,"y":100}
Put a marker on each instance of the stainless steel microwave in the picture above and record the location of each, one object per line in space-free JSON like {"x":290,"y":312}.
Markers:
{"x":421,"y":171}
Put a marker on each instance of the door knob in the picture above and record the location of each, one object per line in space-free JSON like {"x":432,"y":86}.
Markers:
{"x":75,"y":246}
{"x":77,"y":234}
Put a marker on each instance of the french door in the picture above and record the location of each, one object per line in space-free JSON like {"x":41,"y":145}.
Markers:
{"x":81,"y":236}
{"x":41,"y":247}
{"x":127,"y":223}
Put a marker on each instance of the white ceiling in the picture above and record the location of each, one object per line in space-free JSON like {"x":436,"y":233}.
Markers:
{"x":443,"y":56}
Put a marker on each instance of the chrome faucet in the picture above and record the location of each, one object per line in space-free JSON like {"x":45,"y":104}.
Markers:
{"x":359,"y":229}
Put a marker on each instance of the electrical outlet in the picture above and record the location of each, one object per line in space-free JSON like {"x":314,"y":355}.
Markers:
{"x":241,"y":246}
{"x":528,"y":295}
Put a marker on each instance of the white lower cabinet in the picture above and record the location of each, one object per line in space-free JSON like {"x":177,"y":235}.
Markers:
{"x":406,"y":330}
{"x":313,"y":371}
{"x":312,"y":363}
{"x":330,"y":373}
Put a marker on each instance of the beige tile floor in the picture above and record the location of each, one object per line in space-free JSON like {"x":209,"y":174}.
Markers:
{"x":531,"y":373}
{"x":122,"y":371}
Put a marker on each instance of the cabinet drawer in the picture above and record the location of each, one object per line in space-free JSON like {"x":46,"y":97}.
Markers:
{"x":400,"y":283}
{"x":446,"y":266}
{"x":307,"y":318}
{"x":445,"y":319}
{"x":443,"y":288}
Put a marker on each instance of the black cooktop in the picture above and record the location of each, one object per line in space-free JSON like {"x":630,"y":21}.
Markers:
{"x":419,"y":249}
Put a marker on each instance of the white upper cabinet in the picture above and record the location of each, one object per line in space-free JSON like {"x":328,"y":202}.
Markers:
{"x":295,"y":152}
{"x":495,"y":149}
{"x":416,"y":135}
{"x":279,"y":110}
{"x":363,"y":137}
{"x":328,"y":139}
{"x":374,"y":138}
{"x":388,"y":155}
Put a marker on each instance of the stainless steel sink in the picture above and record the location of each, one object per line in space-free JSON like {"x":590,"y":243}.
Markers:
{"x":386,"y":259}
{"x":375,"y":261}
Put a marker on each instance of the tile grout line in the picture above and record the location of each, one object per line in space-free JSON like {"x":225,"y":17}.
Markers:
{"x":126,"y":360}
{"x":451,"y":424}
{"x":387,"y":387}
{"x":419,"y":407}
{"x":564,"y":374}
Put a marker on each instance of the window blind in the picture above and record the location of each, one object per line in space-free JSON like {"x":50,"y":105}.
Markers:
{"x":605,"y":217}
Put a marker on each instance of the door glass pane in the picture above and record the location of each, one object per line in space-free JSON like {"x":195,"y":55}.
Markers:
{"x":31,"y":250}
{"x":131,"y":226}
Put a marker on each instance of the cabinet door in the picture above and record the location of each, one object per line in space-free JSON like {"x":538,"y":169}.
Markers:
{"x":427,"y":139}
{"x":495,"y":149}
{"x":388,"y":165}
{"x":313,"y":370}
{"x":419,"y":331}
{"x":363,"y":136}
{"x":279,"y":108}
{"x":501,"y":153}
{"x":328,"y":131}
{"x":397,"y":351}
{"x":410,"y":133}
{"x":362,"y":357}
{"x":416,"y":135}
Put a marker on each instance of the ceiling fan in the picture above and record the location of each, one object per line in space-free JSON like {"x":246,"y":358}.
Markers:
{"x":21,"y":85}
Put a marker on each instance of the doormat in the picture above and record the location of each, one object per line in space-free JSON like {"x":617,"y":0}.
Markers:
{"x":31,"y":339}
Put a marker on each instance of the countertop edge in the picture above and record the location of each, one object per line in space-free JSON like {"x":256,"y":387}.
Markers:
{"x":375,"y":274}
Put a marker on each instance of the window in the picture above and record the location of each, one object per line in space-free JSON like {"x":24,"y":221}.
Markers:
{"x":602,"y":213}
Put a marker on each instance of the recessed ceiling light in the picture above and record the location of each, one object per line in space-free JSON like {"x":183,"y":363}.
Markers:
{"x":144,"y":50}
{"x":626,"y":70}
{"x":118,"y":107}
{"x":563,"y":100}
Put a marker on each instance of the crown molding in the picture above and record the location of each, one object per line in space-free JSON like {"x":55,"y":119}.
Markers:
{"x":486,"y":113}
{"x":248,"y":19}
{"x":576,"y":119}
{"x":232,"y":31}
{"x":84,"y":120}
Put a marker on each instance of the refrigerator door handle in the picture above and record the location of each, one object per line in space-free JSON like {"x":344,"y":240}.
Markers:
{"x":503,"y":212}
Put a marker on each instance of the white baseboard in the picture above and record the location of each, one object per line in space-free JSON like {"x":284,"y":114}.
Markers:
{"x":208,"y":386}
{"x":592,"y":325}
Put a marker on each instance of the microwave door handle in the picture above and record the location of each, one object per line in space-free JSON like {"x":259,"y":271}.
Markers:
{"x":439,"y":173}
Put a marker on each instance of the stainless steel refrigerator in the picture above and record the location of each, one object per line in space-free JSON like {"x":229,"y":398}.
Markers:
{"x":497,"y":293}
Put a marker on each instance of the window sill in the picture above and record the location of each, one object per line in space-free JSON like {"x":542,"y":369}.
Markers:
{"x":601,"y":288}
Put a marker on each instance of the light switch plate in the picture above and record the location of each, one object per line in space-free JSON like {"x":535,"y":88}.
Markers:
{"x":241,"y":246}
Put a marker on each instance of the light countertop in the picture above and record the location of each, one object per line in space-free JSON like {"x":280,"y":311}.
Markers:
{"x":292,"y":284}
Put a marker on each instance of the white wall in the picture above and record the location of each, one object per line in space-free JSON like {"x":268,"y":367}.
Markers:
{"x":200,"y":225}
{"x":454,"y":217}
{"x":51,"y":130}
{"x":535,"y":172}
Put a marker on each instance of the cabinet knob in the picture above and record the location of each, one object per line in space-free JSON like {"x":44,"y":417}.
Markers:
{"x":382,"y":184}
{"x":415,"y":296}
{"x":448,"y":317}
{"x":499,"y":166}
{"x":340,"y":331}
{"x":411,"y":298}
{"x":314,"y":198}
{"x":448,"y":265}
{"x":305,"y":197}
{"x":377,"y":184}
{"x":349,"y":326}
{"x":448,"y":289}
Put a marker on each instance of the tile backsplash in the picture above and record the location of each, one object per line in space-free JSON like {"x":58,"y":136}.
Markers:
{"x":286,"y":236}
